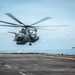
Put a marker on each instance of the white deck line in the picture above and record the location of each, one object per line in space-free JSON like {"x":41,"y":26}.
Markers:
{"x":7,"y":66}
{"x":22,"y":73}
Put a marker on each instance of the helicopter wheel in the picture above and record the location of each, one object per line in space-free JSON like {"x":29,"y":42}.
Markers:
{"x":30,"y":44}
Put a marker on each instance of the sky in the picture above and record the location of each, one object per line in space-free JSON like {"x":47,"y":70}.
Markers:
{"x":62,"y":12}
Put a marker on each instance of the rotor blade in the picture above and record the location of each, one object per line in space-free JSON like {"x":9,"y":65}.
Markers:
{"x":44,"y":19}
{"x":10,"y":15}
{"x":45,"y":29}
{"x":52,"y":26}
{"x":15,"y":25}
{"x":10,"y":26}
{"x":9,"y":23}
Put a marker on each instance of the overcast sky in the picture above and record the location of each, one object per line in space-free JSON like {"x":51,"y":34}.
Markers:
{"x":30,"y":11}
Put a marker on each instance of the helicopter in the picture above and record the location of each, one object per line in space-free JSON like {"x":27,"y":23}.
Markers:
{"x":28,"y":33}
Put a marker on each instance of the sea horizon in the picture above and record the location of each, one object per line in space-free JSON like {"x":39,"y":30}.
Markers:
{"x":46,"y":51}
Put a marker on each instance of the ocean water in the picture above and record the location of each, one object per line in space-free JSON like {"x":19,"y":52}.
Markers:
{"x":54,"y":51}
{"x":62,"y":51}
{"x":48,"y":51}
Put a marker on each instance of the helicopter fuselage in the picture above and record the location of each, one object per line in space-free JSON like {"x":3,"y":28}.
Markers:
{"x":26,"y":35}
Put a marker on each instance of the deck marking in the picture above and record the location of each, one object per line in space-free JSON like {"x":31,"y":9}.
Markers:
{"x":7,"y":66}
{"x":22,"y":73}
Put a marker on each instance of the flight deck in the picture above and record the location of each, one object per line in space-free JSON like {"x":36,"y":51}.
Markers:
{"x":37,"y":64}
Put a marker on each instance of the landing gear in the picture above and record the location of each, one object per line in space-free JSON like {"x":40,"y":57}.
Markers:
{"x":30,"y":44}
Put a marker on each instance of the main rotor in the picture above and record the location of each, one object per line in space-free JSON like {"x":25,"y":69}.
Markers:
{"x":21,"y":24}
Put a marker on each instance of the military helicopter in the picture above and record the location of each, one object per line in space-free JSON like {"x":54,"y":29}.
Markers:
{"x":28,"y":33}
